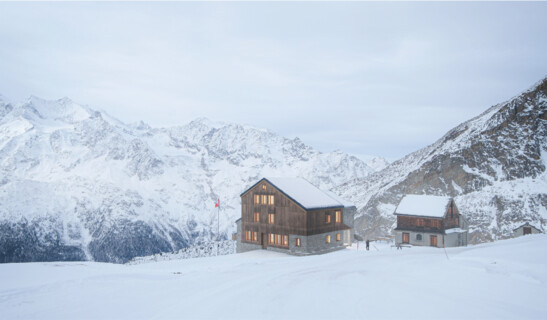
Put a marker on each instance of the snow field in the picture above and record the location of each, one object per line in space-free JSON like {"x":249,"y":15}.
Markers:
{"x":502,"y":280}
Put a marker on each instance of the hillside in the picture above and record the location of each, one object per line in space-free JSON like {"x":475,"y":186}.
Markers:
{"x":501,"y":280}
{"x":78,"y":184}
{"x":494,"y":166}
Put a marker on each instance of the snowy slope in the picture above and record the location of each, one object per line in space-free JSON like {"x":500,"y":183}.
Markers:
{"x":77,"y":184}
{"x":501,"y":280}
{"x":494,"y":166}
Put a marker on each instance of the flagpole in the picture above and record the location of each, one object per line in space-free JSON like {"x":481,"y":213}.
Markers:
{"x":218,"y":225}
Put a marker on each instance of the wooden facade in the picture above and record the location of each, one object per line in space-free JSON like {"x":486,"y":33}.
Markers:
{"x":269,"y":216}
{"x":450,"y":219}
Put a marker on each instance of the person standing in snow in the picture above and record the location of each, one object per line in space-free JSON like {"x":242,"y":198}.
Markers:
{"x":367,"y":244}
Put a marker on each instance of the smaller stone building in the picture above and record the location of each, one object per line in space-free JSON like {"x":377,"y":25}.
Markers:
{"x":424,"y":220}
{"x":293,"y":216}
{"x":525,"y":229}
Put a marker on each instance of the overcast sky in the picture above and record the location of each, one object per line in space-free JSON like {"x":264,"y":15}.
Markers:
{"x":367,"y":78}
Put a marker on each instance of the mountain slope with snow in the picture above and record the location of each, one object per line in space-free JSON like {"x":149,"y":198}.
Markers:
{"x":77,"y":184}
{"x":501,"y":280}
{"x":494,"y":165}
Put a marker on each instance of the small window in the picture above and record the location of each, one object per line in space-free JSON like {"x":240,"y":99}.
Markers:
{"x":420,"y":222}
{"x":257,"y":199}
{"x":327,"y":218}
{"x":419,"y":237}
{"x":278,"y":239}
{"x":263,"y":187}
{"x":338,"y":216}
{"x":271,"y":200}
{"x":328,"y":239}
{"x":338,"y":237}
{"x":272,"y":238}
{"x":255,"y":236}
{"x":271,"y":218}
{"x":286,"y":241}
{"x":264,"y":199}
{"x":257,"y":217}
{"x":297,"y":242}
{"x":248,"y":235}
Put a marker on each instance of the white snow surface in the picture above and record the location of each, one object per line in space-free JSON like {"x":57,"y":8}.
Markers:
{"x":423,"y":205}
{"x":305,"y":193}
{"x":500,"y":280}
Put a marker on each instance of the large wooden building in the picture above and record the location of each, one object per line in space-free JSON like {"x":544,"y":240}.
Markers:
{"x":424,"y":220}
{"x":293,"y":216}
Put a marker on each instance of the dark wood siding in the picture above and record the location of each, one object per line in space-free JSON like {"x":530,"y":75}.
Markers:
{"x":290,"y":218}
{"x":419,"y":224}
{"x":452,"y":216}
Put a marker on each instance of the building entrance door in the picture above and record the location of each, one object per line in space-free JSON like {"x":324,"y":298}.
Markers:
{"x":526,"y":230}
{"x":433,"y":241}
{"x":264,"y":240}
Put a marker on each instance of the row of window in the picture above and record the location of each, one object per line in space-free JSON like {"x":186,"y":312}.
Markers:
{"x":432,"y":238}
{"x":429,"y":222}
{"x":264,"y":199}
{"x":271,"y":217}
{"x":337,"y":217}
{"x":283,"y":240}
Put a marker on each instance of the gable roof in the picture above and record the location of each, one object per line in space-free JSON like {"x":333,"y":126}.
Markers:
{"x":422,"y":206}
{"x":303,"y":193}
{"x":527,"y":224}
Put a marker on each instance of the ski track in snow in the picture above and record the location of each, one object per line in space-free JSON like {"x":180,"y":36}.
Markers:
{"x":500,"y":280}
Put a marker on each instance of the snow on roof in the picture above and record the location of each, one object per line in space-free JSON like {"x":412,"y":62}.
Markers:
{"x":343,"y":201}
{"x":422,"y":205}
{"x":305,"y":193}
{"x":454,"y":230}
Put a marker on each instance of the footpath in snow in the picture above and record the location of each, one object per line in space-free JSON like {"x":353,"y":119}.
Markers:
{"x":502,"y":280}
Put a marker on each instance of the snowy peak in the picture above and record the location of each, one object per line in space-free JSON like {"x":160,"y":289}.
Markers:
{"x":494,"y":165}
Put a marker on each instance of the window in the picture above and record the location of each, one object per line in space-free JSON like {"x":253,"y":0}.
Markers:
{"x":257,"y":217}
{"x":278,"y":239}
{"x":419,"y":237}
{"x":257,"y":199}
{"x":406,"y":237}
{"x":271,"y":200}
{"x":286,"y":241}
{"x":255,"y":236}
{"x":338,"y":237}
{"x":297,"y":242}
{"x":420,"y":222}
{"x":248,"y":235}
{"x":271,"y":218}
{"x":272,"y":238}
{"x":263,"y":187}
{"x":328,"y":239}
{"x":327,"y":218}
{"x":338,"y":216}
{"x":264,"y":199}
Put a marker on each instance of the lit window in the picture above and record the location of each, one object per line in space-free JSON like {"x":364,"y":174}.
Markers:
{"x":297,"y":242}
{"x":257,"y":199}
{"x":271,"y":218}
{"x":263,"y":187}
{"x":248,"y":235}
{"x":271,"y":200}
{"x":420,"y":222}
{"x":286,"y":241}
{"x":272,"y":238}
{"x":327,"y":218}
{"x":328,"y":239}
{"x":264,"y":199}
{"x":338,"y":216}
{"x":257,"y":217}
{"x":255,"y":236}
{"x":338,"y":237}
{"x":278,"y":239}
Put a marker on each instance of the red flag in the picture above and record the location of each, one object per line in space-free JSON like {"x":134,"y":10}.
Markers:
{"x":217,"y":204}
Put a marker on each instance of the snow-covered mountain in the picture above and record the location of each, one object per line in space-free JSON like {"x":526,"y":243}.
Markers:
{"x":494,"y":165}
{"x":77,"y":184}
